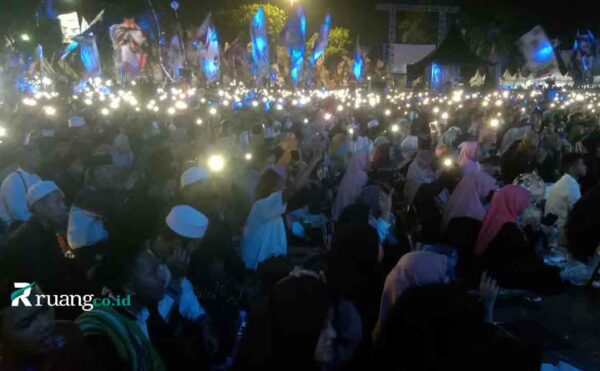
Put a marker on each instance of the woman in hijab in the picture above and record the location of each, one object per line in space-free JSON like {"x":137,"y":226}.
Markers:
{"x":292,"y":330}
{"x":442,"y":327}
{"x":503,"y":248}
{"x":419,"y":172}
{"x":353,"y":181}
{"x":467,"y":159}
{"x":413,"y":269}
{"x":467,"y":199}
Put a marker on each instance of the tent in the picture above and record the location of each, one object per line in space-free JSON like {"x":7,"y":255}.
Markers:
{"x":445,"y":63}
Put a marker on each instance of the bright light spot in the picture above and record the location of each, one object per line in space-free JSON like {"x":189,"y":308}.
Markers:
{"x":436,"y":110}
{"x":388,"y":112}
{"x":105,"y":111}
{"x":216,"y":163}
{"x":171,"y":110}
{"x":2,"y":132}
{"x":248,"y":156}
{"x":395,"y":128}
{"x":306,"y":121}
{"x":114,"y":104}
{"x":49,"y":110}
{"x":445,"y":116}
{"x":29,"y":102}
{"x":448,"y":162}
{"x":494,"y":123}
{"x":340,"y":108}
{"x":351,"y":131}
{"x":279,"y":107}
{"x":212,"y":111}
{"x":254,"y":103}
{"x":199,"y":122}
{"x":327,"y":116}
{"x":181,"y":105}
{"x":25,"y":37}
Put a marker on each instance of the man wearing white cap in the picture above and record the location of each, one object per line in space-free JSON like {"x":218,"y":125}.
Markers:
{"x":13,"y":191}
{"x":185,"y":228}
{"x":35,"y":251}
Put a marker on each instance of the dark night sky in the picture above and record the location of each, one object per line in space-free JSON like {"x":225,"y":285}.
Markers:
{"x":361,"y":17}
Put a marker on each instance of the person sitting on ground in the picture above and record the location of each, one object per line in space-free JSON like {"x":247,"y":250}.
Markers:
{"x":504,"y":250}
{"x":292,"y":330}
{"x":565,"y":193}
{"x":32,"y":339}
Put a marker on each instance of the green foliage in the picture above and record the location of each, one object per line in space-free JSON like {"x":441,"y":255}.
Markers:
{"x":236,"y":22}
{"x":339,"y":42}
{"x":417,"y":28}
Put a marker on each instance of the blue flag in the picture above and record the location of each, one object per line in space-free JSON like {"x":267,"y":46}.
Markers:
{"x":210,"y":58}
{"x":293,"y":36}
{"x":260,"y":46}
{"x":321,"y":42}
{"x":358,"y":63}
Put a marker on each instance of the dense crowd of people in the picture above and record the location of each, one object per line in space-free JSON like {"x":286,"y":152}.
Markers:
{"x":320,"y":236}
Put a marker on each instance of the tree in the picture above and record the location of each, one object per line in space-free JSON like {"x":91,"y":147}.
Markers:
{"x":339,"y":41}
{"x":235,"y":22}
{"x":417,"y":28}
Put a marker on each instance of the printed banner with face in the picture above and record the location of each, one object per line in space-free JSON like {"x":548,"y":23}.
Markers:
{"x":538,"y":52}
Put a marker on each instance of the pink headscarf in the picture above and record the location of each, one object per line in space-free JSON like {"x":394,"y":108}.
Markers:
{"x":352,"y":183}
{"x":507,"y":204}
{"x":466,"y":198}
{"x":413,"y":269}
{"x":468,"y":158}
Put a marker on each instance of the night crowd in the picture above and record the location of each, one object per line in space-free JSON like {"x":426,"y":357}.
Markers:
{"x":322,"y":235}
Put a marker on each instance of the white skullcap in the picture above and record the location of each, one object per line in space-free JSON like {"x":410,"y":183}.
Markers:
{"x":372,"y":124}
{"x":187,"y":222}
{"x":40,"y":190}
{"x":193,"y":175}
{"x":76,"y":122}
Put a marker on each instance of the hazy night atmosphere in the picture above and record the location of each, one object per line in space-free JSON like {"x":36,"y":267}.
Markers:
{"x":325,"y":185}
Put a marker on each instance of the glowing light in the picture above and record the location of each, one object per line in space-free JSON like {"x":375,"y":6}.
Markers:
{"x":199,"y":122}
{"x":340,"y":108}
{"x":216,"y":163}
{"x":445,"y":116}
{"x":212,"y":111}
{"x":25,"y":37}
{"x":327,"y":116}
{"x":448,"y":162}
{"x":254,"y":103}
{"x":436,"y":110}
{"x":395,"y":128}
{"x":494,"y":123}
{"x":181,"y":105}
{"x":2,"y":132}
{"x":29,"y":102}
{"x":105,"y":111}
{"x":306,"y":121}
{"x":388,"y":112}
{"x":49,"y":110}
{"x":114,"y":104}
{"x":248,"y":156}
{"x":351,"y":131}
{"x":171,"y":110}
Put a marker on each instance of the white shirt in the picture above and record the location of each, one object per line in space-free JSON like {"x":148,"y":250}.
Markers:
{"x":264,"y":235}
{"x":187,"y":302}
{"x":13,"y":192}
{"x":562,"y":197}
{"x":85,"y":228}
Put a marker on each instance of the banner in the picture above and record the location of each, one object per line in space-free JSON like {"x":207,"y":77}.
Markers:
{"x":260,"y":46}
{"x":293,"y":36}
{"x":321,"y":42}
{"x":210,"y":58}
{"x":69,"y":25}
{"x":358,"y":63}
{"x":129,"y":45}
{"x":538,"y":52}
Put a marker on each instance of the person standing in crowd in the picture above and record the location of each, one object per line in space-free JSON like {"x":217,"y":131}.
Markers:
{"x":566,"y":192}
{"x":13,"y":191}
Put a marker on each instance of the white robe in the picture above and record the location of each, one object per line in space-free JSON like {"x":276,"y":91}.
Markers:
{"x":264,"y":235}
